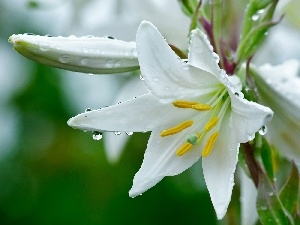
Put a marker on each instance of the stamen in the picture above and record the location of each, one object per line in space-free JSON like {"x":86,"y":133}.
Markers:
{"x":210,"y":124}
{"x":184,"y":104}
{"x":176,"y":129}
{"x":210,"y":144}
{"x":201,"y":107}
{"x":184,"y":148}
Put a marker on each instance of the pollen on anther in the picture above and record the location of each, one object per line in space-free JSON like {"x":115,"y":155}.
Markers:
{"x":184,"y":148}
{"x":211,"y":123}
{"x":184,"y":104}
{"x":210,"y":144}
{"x":201,"y":107}
{"x":176,"y":129}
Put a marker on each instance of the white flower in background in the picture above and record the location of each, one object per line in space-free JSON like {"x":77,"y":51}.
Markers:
{"x":279,"y":88}
{"x":249,"y":214}
{"x":192,"y":109}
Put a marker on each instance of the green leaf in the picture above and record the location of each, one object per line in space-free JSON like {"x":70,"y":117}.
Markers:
{"x":269,"y":207}
{"x":289,"y":192}
{"x":267,"y":159}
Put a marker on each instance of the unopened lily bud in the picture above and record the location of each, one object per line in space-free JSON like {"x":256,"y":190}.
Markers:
{"x":81,"y":54}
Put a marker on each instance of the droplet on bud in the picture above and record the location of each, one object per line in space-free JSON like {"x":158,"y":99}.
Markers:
{"x":263,"y":130}
{"x":117,"y":133}
{"x":129,"y":133}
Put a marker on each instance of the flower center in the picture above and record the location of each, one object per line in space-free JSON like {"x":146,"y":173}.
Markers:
{"x":214,"y":109}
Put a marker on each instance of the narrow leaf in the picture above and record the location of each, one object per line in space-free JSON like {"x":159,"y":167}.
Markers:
{"x":289,"y":192}
{"x":269,"y":207}
{"x":267,"y":158}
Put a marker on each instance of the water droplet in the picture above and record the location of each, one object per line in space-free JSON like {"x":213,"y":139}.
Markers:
{"x":263,"y":130}
{"x":271,"y":193}
{"x":64,"y":58}
{"x":236,"y":94}
{"x":261,"y":11}
{"x":97,"y":135}
{"x":110,"y":37}
{"x":263,"y":207}
{"x":129,"y":133}
{"x":44,"y":48}
{"x":118,"y":63}
{"x":216,"y":56}
{"x":155,"y":79}
{"x":110,"y":63}
{"x":88,"y":110}
{"x":255,"y":17}
{"x":84,"y":61}
{"x":141,"y":77}
{"x":185,"y":67}
{"x":117,"y":133}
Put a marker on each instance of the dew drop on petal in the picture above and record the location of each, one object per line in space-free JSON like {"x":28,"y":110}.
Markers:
{"x":141,"y":77}
{"x":88,"y":110}
{"x":155,"y":79}
{"x":117,"y":133}
{"x":64,"y":58}
{"x":216,"y":56}
{"x":97,"y":135}
{"x":263,"y":130}
{"x":129,"y":133}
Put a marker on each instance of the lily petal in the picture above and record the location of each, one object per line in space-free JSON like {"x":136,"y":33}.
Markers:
{"x":114,"y":145}
{"x":247,"y":118}
{"x":159,"y":64}
{"x":219,"y":168}
{"x":201,"y":53}
{"x":160,"y":160}
{"x":122,"y":117}
{"x":81,"y":54}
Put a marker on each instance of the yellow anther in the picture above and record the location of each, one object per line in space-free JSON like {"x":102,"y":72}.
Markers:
{"x":176,"y":129}
{"x":184,"y":104}
{"x":184,"y":148}
{"x":201,"y":107}
{"x":210,"y":124}
{"x":210,"y":144}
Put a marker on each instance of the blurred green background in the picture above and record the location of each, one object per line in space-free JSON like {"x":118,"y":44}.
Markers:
{"x":53,"y":174}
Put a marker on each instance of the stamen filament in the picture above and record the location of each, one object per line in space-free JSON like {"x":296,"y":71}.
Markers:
{"x":177,"y":129}
{"x":210,"y":124}
{"x":184,"y":148}
{"x":210,"y":144}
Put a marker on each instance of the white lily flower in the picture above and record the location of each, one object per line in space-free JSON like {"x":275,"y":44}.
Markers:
{"x":279,"y":87}
{"x":192,"y":109}
{"x":81,"y":54}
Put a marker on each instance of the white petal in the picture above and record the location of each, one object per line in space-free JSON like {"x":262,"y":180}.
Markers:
{"x":219,"y":168}
{"x":160,"y":160}
{"x":247,"y":118}
{"x":115,"y":144}
{"x":139,"y":114}
{"x":201,"y":53}
{"x":165,"y":74}
{"x":81,"y":54}
{"x":144,"y":113}
{"x":248,"y":200}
